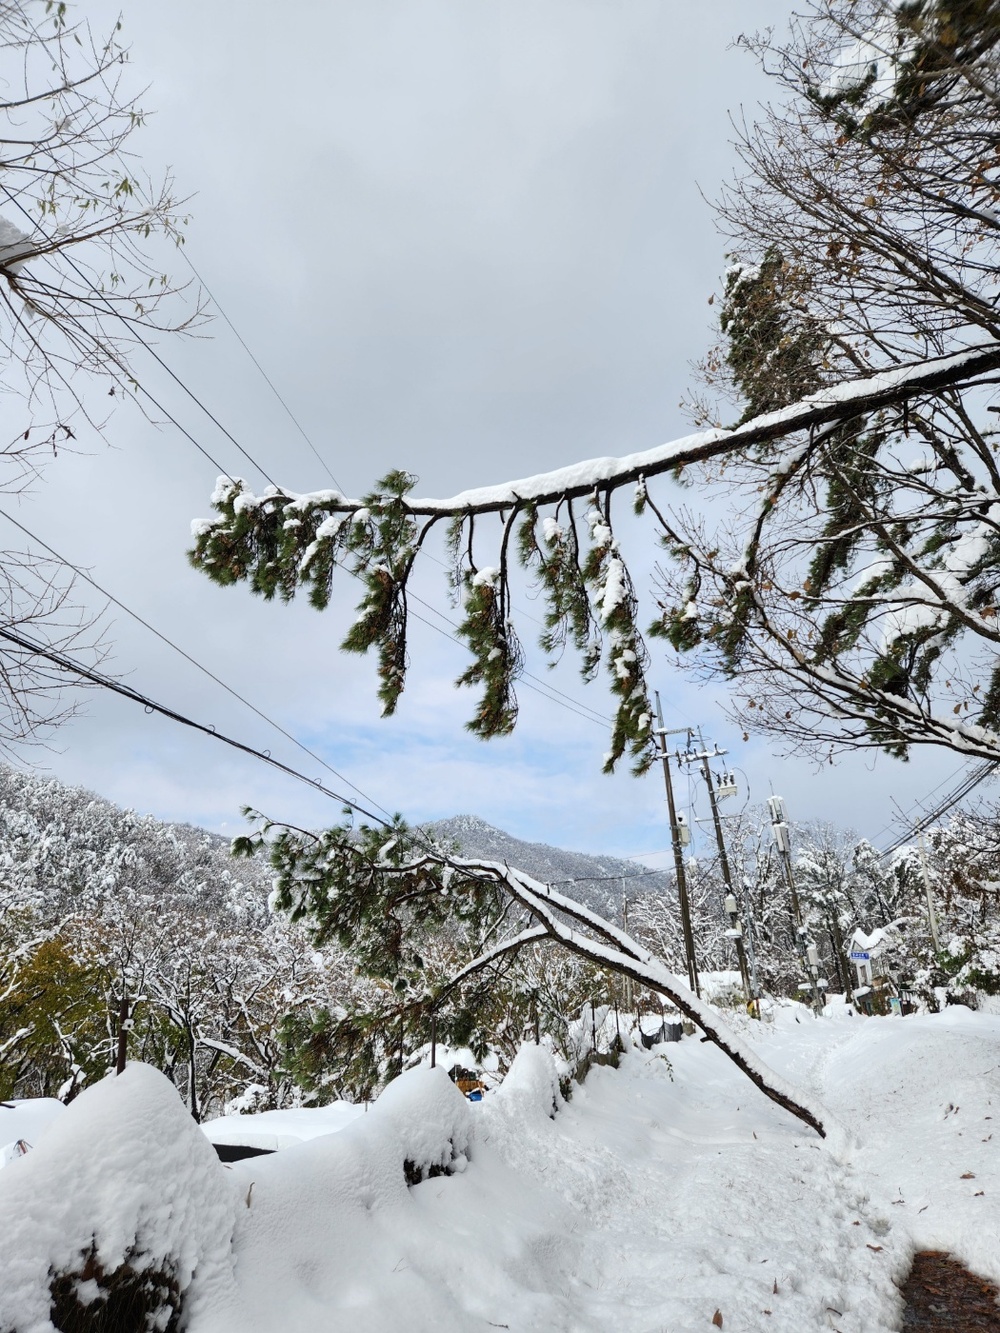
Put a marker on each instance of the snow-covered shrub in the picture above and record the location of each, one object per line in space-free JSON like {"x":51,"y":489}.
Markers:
{"x":432,"y":1121}
{"x":134,"y":1296}
{"x":531,"y":1088}
{"x":122,"y":1207}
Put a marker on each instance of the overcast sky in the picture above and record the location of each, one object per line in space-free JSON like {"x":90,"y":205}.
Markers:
{"x":464,"y":237}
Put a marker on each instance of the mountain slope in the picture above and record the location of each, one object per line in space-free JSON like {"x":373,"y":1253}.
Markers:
{"x":600,"y":882}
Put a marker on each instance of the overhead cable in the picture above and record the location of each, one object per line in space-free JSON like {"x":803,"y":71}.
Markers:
{"x":958,"y":793}
{"x":67,"y":663}
{"x":188,"y":658}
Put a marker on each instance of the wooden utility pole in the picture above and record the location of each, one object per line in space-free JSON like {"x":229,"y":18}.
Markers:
{"x":628,"y":980}
{"x":806,"y":950}
{"x":675,"y":839}
{"x":724,"y":864}
{"x":123,"y":1026}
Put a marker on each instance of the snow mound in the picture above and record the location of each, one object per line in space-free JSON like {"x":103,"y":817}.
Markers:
{"x":531,"y":1088}
{"x":316,"y":1220}
{"x":430,"y":1118}
{"x":124,"y":1176}
{"x":124,"y":1186}
{"x":272,"y":1130}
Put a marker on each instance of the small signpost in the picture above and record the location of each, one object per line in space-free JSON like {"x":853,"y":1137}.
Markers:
{"x":860,"y":957}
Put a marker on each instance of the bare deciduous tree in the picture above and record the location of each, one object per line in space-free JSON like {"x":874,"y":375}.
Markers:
{"x":82,"y":286}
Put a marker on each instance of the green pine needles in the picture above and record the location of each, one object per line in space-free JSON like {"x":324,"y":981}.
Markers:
{"x":279,"y":544}
{"x":851,"y":591}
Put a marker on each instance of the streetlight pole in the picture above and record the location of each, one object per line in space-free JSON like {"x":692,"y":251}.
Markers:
{"x":675,"y":840}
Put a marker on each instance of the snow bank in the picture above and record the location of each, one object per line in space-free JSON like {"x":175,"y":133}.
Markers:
{"x":124,"y":1169}
{"x":124,"y":1176}
{"x":723,"y":989}
{"x":318,"y":1223}
{"x":429,"y":1119}
{"x":649,"y":1202}
{"x":928,"y":1091}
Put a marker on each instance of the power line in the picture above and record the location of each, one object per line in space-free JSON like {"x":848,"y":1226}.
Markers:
{"x":902,"y":816}
{"x":188,"y":658}
{"x":543,"y":688}
{"x":602,"y":879}
{"x":66,"y":663}
{"x":267,"y":379}
{"x":540,"y":687}
{"x":135,"y":330}
{"x":528,"y":616}
{"x":972,"y":780}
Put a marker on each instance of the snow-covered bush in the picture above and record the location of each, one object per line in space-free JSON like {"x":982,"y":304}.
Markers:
{"x":122,"y":1204}
{"x":531,"y":1088}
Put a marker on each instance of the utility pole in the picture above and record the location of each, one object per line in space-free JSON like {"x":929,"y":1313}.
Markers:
{"x":123,"y":1027}
{"x":931,"y":914}
{"x":735,"y":931}
{"x":678,"y":845}
{"x":756,"y":991}
{"x":807,"y":951}
{"x":839,"y":951}
{"x":628,"y":980}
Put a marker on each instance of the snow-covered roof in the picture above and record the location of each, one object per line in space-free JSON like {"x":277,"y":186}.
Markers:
{"x":862,"y":943}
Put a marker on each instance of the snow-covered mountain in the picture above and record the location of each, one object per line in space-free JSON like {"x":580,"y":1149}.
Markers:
{"x":599,"y":881}
{"x":64,"y":845}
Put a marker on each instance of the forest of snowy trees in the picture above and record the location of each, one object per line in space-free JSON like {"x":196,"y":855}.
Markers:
{"x":242,"y":1009}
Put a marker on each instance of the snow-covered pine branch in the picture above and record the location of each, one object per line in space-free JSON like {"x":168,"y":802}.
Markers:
{"x":386,"y":907}
{"x":280,"y":542}
{"x":839,"y":402}
{"x":860,"y":341}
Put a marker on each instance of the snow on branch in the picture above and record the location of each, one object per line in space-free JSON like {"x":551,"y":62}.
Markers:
{"x":560,"y":527}
{"x":388,"y":908}
{"x":579,"y":480}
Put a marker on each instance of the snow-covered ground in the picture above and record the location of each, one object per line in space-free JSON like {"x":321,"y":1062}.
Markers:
{"x":655,"y":1198}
